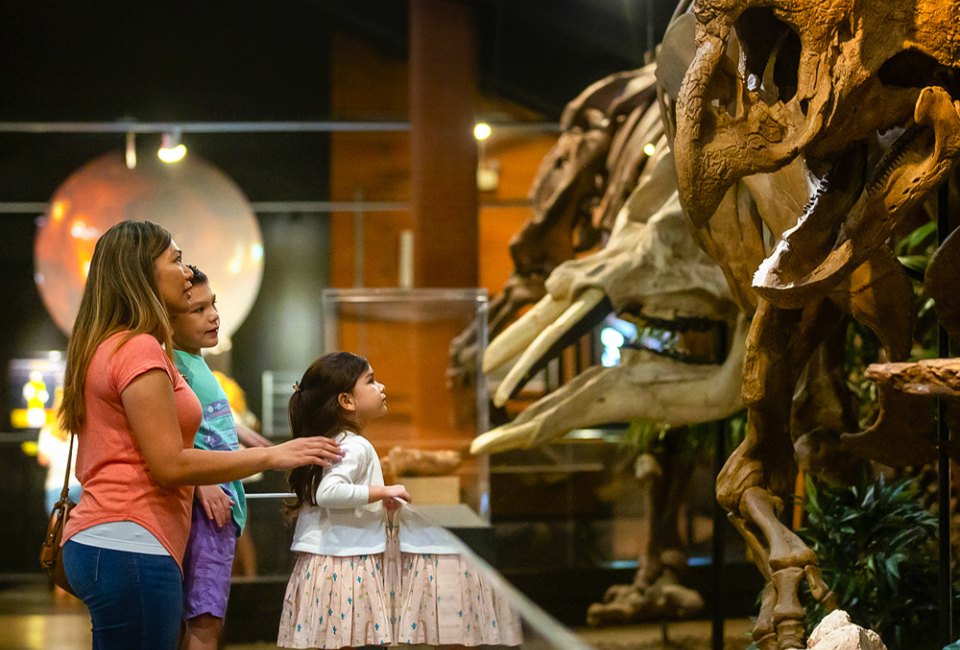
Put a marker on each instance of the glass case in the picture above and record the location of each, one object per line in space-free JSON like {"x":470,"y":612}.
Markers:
{"x":256,"y":600}
{"x":425,"y":346}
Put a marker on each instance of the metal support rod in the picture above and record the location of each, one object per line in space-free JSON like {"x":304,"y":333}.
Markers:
{"x":945,"y":587}
{"x":718,"y":543}
{"x":323,"y":126}
{"x":285,"y":207}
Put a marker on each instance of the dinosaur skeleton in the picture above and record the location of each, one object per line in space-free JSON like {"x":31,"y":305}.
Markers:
{"x":860,"y":96}
{"x":580,"y":186}
{"x":650,"y":271}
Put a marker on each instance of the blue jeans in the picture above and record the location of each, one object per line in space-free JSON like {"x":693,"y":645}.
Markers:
{"x":135,"y":600}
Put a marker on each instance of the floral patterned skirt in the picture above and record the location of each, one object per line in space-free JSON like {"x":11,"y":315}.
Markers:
{"x":444,"y":601}
{"x":393,"y":598}
{"x":335,"y":602}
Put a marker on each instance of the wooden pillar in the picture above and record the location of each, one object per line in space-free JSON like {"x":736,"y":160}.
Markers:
{"x":443,"y":162}
{"x":443,"y":153}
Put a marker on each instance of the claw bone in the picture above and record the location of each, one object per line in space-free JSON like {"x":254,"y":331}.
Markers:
{"x":819,"y":589}
{"x":763,"y":628}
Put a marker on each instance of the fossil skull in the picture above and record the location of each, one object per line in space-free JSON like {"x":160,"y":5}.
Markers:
{"x":577,"y":190}
{"x":650,"y":270}
{"x":824,"y":80}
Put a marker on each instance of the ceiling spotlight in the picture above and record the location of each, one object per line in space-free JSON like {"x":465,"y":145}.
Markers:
{"x":482,"y":131}
{"x":171,"y":149}
{"x":649,"y":149}
{"x":131,"y":153}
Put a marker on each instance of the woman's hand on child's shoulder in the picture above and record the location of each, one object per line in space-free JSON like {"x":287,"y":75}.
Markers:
{"x":315,"y":450}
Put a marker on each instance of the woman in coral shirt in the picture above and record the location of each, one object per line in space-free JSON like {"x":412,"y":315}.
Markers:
{"x":136,"y":418}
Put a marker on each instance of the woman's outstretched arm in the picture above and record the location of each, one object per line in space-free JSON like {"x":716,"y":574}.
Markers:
{"x":151,"y":410}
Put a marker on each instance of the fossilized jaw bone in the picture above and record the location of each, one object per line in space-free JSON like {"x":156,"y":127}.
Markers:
{"x":812,"y":78}
{"x":651,"y":265}
{"x":918,"y":161}
{"x":643,"y":385}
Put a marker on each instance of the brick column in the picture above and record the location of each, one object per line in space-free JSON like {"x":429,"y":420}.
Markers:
{"x":443,"y":161}
{"x":443,"y":154}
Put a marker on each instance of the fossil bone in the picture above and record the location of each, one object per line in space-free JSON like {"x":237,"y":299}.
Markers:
{"x":859,"y":95}
{"x":650,"y":264}
{"x":577,"y":191}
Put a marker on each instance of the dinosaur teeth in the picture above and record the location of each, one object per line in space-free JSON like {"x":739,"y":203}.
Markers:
{"x":899,"y":150}
{"x":524,"y":331}
{"x":681,"y":323}
{"x":547,"y":337}
{"x":702,"y":344}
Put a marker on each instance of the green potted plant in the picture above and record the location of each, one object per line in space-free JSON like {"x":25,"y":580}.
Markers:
{"x":876,"y":546}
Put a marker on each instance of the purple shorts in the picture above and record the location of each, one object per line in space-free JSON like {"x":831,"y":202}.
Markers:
{"x":207,"y":565}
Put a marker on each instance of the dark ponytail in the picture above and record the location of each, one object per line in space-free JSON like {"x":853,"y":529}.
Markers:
{"x":315,"y":411}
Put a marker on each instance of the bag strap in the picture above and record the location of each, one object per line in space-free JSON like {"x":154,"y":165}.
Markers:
{"x":66,"y":474}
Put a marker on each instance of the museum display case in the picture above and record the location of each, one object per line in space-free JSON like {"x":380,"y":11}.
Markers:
{"x":432,"y":414}
{"x":256,"y":600}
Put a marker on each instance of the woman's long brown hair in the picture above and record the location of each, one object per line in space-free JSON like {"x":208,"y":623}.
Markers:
{"x":315,"y":411}
{"x":120,"y":294}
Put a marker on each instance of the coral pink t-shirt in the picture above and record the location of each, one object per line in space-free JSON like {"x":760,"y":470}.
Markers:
{"x":117,"y":484}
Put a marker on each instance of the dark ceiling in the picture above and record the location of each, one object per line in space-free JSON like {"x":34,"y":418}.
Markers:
{"x":257,"y":61}
{"x":540,"y":53}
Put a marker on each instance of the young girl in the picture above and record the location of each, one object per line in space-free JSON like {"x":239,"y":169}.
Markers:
{"x":352,"y":583}
{"x":336,"y":596}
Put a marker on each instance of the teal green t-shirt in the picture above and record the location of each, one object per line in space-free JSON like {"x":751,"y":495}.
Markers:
{"x":218,"y":431}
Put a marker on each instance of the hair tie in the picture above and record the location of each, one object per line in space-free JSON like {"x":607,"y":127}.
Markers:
{"x":296,"y":387}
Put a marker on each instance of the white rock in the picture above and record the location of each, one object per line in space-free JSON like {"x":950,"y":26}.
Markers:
{"x":837,"y":632}
{"x":832,"y":621}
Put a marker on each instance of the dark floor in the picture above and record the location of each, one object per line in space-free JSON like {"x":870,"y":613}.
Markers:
{"x":34,"y":618}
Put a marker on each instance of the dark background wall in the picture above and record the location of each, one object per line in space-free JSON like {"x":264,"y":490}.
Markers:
{"x":243,"y":61}
{"x":182,"y":62}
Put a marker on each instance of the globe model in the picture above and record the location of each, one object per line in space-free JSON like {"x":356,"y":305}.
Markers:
{"x":205,"y":211}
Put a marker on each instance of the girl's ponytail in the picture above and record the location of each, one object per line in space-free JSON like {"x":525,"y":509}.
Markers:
{"x":314,"y":410}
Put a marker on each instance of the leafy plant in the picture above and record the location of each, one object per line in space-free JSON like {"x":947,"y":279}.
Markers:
{"x":877,"y":549}
{"x":645,"y":436}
